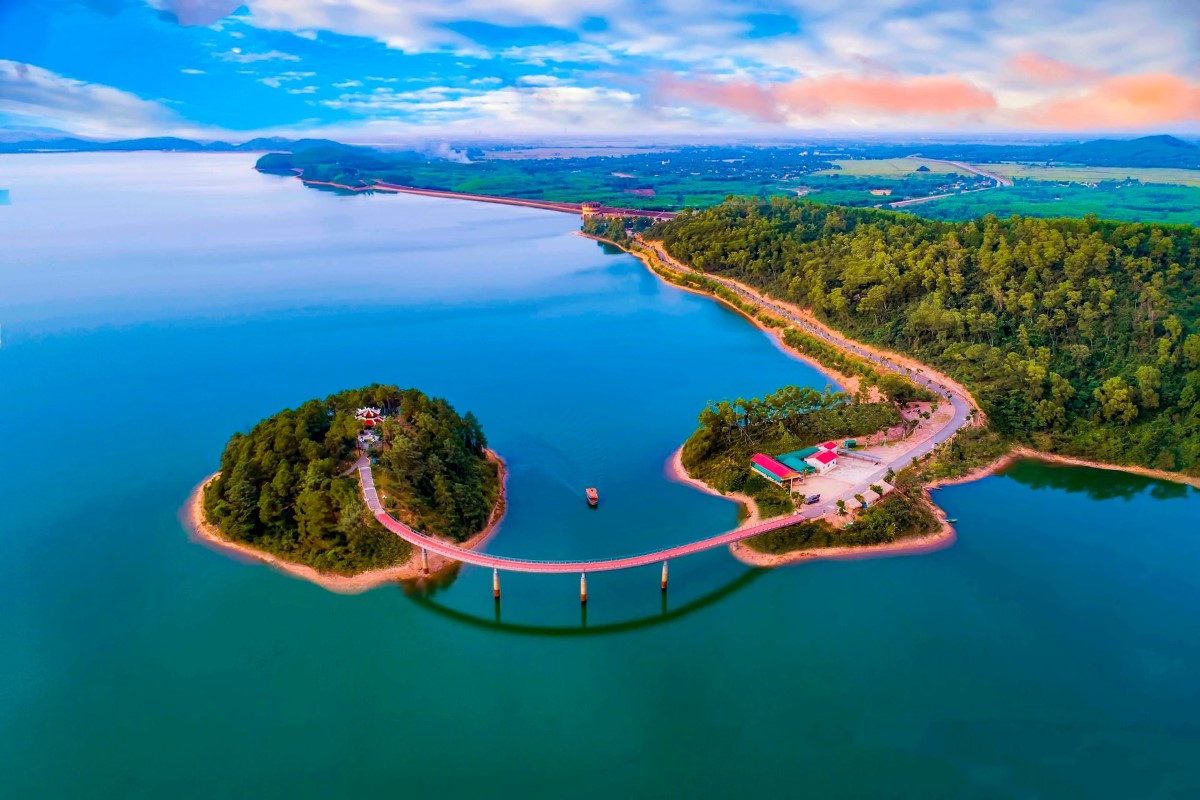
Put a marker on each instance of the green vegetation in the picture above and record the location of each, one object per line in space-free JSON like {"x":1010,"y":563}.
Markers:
{"x":1080,"y":337}
{"x":884,"y":167}
{"x":286,"y":486}
{"x":1082,"y":174}
{"x":1147,"y":151}
{"x":689,"y":176}
{"x":792,"y":418}
{"x":903,"y":514}
{"x":1129,"y":202}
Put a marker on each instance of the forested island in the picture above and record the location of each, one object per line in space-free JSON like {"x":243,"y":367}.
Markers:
{"x":287,"y":488}
{"x":1078,"y":337}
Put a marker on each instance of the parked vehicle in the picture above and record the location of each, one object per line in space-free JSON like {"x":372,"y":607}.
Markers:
{"x":812,"y":498}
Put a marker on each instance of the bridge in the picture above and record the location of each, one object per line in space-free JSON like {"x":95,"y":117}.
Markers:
{"x":430,"y":544}
{"x":449,"y":550}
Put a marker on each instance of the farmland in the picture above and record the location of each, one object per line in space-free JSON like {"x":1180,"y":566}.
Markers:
{"x":1082,"y":174}
{"x":886,"y":167}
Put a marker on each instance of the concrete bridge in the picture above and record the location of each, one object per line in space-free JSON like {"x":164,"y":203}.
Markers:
{"x":961,"y":414}
{"x":430,"y":544}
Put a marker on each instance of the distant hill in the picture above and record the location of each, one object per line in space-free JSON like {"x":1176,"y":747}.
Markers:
{"x":1147,"y":151}
{"x":171,"y":144}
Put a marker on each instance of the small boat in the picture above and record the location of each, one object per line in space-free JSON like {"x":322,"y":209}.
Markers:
{"x":951,"y":519}
{"x":593,"y":497}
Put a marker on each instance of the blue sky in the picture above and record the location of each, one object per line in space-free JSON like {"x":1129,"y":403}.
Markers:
{"x":375,"y":70}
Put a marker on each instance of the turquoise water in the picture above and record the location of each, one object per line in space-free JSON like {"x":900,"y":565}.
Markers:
{"x":153,"y":304}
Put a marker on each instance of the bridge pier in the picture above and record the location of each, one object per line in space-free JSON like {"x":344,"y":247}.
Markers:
{"x":496,"y":584}
{"x":424,"y":561}
{"x":664,"y":576}
{"x":583,"y":588}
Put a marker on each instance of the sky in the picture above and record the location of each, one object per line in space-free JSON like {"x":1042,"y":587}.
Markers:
{"x":383,"y":70}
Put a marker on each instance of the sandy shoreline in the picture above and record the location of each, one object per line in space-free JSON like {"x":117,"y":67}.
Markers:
{"x":945,"y":535}
{"x":942,"y":538}
{"x":202,"y":531}
{"x":1022,"y":453}
{"x":676,"y":472}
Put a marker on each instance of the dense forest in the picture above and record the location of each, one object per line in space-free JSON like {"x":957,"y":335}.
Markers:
{"x":1078,"y":336}
{"x":286,"y":487}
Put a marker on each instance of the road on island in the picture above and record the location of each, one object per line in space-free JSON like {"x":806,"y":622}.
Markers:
{"x":962,"y":411}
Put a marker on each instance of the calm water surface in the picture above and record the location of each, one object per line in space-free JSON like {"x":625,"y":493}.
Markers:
{"x":153,"y":304}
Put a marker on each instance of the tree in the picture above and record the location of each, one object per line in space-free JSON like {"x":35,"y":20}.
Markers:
{"x":841,"y":506}
{"x":1116,"y":401}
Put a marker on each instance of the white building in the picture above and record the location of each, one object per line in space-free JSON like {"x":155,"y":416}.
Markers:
{"x":822,"y":461}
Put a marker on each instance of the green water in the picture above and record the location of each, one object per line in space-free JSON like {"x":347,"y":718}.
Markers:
{"x":153,"y":304}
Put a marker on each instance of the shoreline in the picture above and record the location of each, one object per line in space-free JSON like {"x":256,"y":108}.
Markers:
{"x":930,"y":542}
{"x":1022,"y":453}
{"x":940,"y":539}
{"x":675,"y":471}
{"x":946,"y":535}
{"x":848,"y":383}
{"x":205,"y":533}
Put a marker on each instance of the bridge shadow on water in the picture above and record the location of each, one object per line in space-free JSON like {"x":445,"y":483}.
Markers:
{"x":424,"y":597}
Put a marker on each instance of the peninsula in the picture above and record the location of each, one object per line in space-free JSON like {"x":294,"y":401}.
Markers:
{"x":288,"y":492}
{"x":960,"y":306}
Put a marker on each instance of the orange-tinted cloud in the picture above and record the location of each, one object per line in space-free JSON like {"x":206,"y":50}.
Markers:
{"x":1128,"y":102}
{"x":1042,"y":69}
{"x":743,"y":97}
{"x":921,"y":96}
{"x":817,"y":97}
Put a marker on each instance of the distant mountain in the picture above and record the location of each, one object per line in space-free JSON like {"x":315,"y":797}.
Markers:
{"x":1147,"y":151}
{"x":168,"y":143}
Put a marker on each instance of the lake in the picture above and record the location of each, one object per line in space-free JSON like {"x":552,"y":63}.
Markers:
{"x":153,"y":304}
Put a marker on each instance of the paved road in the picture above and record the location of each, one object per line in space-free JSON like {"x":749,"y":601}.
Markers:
{"x":962,"y":408}
{"x":444,"y":548}
{"x":548,"y":205}
{"x":999,"y":179}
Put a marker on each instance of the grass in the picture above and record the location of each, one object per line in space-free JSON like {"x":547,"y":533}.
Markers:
{"x":1154,"y":203}
{"x":887,"y":167}
{"x":1181,"y":177}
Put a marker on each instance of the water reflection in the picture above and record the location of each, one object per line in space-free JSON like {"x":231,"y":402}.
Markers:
{"x":426,"y":601}
{"x":1097,"y":484}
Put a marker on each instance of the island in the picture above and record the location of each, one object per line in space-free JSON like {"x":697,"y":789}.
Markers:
{"x":288,"y":493}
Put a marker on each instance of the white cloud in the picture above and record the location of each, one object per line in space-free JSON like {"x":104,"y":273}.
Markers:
{"x":347,"y":84}
{"x":303,"y":90}
{"x":33,"y":96}
{"x":541,"y":80}
{"x":575,"y":52}
{"x":238,"y":57}
{"x":189,"y":71}
{"x":277,"y":81}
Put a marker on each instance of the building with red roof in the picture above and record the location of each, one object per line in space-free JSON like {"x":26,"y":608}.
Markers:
{"x":822,"y":461}
{"x":829,"y":446}
{"x":369,"y":416}
{"x":777,"y":472}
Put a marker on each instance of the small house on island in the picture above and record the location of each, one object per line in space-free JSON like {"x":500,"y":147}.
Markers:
{"x":369,"y":416}
{"x":774,"y":471}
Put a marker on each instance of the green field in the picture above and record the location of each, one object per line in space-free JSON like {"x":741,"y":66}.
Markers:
{"x":1072,"y":174}
{"x":886,"y":167}
{"x":1128,"y":203}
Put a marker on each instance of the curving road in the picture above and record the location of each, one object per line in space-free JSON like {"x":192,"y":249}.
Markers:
{"x":961,"y":407}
